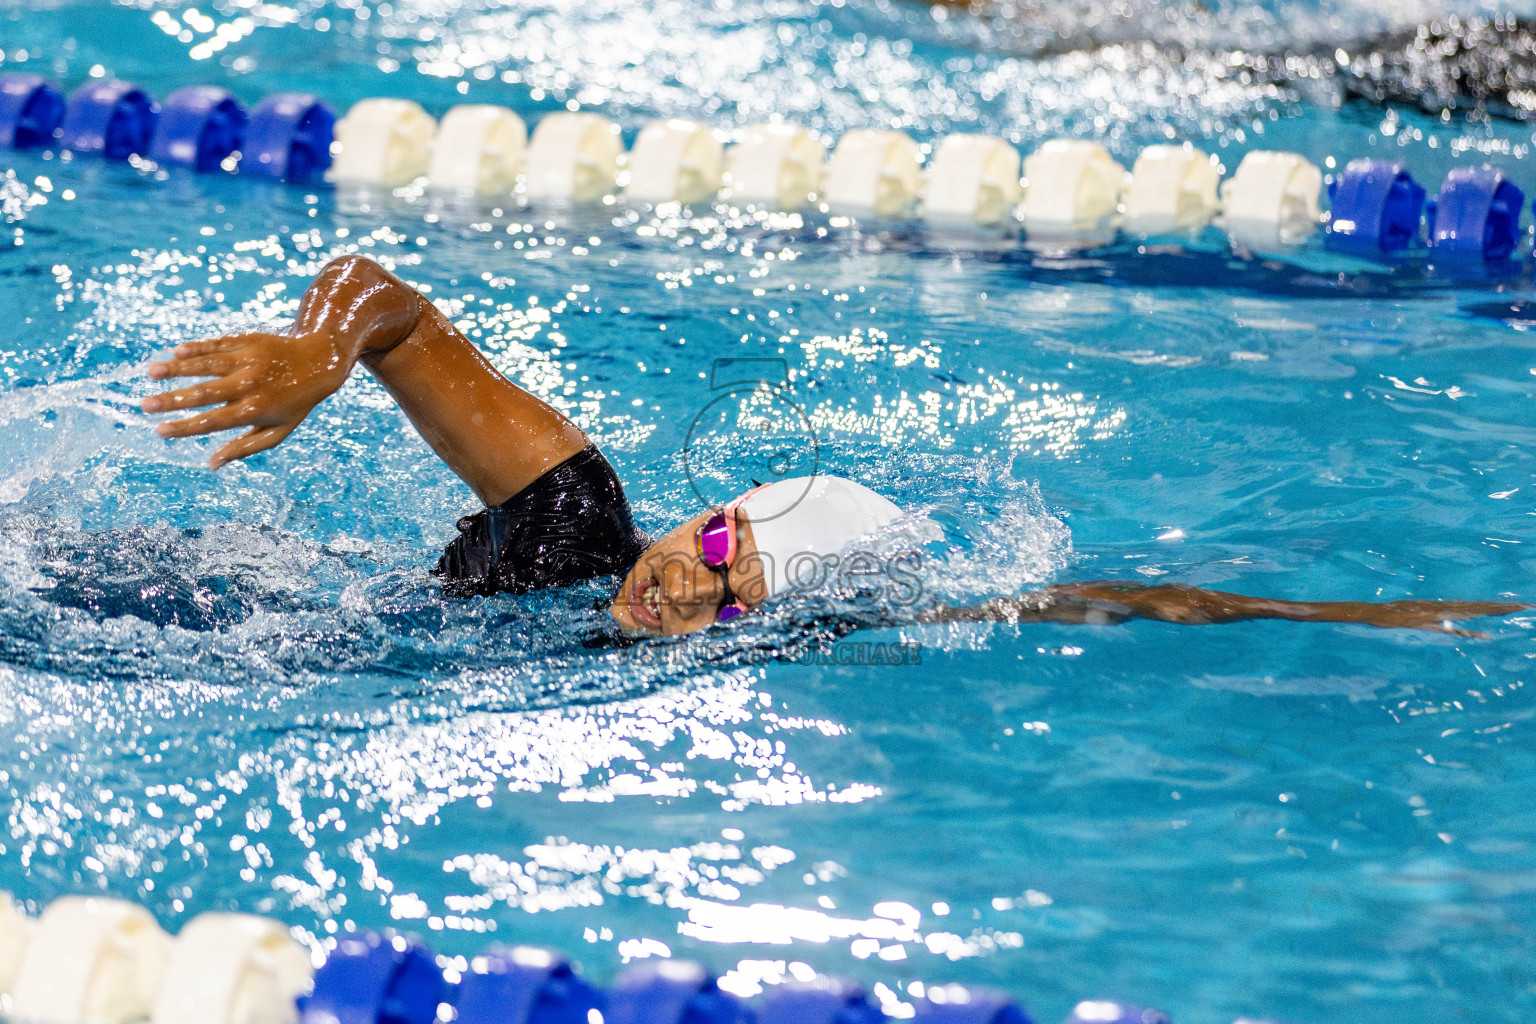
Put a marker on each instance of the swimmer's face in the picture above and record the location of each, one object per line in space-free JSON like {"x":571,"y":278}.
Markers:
{"x":670,"y":590}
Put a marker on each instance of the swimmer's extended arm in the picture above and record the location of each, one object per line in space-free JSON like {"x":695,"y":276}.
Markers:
{"x":492,"y":433}
{"x":1104,"y":603}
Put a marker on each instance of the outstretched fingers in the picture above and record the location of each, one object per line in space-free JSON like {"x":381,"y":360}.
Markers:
{"x":214,"y":392}
{"x":225,"y":417}
{"x":217,"y":365}
{"x":210,"y":346}
{"x":1478,"y":609}
{"x":1440,"y":614}
{"x":257,"y":439}
{"x":212,"y":357}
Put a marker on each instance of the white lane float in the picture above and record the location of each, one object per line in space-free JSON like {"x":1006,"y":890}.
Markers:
{"x":1172,"y":188}
{"x":1072,"y":189}
{"x":383,"y":142}
{"x":233,"y":969}
{"x":479,"y":149}
{"x":972,"y":180}
{"x":674,"y":160}
{"x":873,"y":170}
{"x":90,"y":960}
{"x":572,"y":157}
{"x":1070,"y":184}
{"x":15,"y":932}
{"x":1272,"y":200}
{"x":775,"y":165}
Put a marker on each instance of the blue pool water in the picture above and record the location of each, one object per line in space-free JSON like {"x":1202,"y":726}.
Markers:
{"x":243,"y":690}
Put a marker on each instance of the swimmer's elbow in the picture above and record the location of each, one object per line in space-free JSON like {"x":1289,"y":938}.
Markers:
{"x":355,"y":298}
{"x":358,"y":270}
{"x":353,"y":281}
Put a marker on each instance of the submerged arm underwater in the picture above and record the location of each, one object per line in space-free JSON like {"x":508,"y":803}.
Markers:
{"x":1106,"y":603}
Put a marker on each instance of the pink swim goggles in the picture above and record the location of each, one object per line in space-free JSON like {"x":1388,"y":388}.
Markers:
{"x":715,"y":542}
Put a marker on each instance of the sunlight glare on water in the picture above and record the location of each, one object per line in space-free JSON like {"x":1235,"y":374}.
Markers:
{"x":243,"y":690}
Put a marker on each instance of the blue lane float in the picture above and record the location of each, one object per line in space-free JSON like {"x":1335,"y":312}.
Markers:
{"x":953,"y":1004}
{"x":672,"y":992}
{"x":199,"y":127}
{"x":228,"y":967}
{"x":824,"y":1001}
{"x":1476,"y":215}
{"x":111,"y":118}
{"x":375,"y":979}
{"x":289,"y":137}
{"x":1377,"y":206}
{"x":524,"y":986}
{"x":31,"y":108}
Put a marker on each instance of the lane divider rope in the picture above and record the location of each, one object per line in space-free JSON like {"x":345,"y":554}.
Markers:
{"x":1068,"y":186}
{"x":99,"y":960}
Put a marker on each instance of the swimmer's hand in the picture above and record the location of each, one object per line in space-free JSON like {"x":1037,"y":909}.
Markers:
{"x":1104,"y":603}
{"x":354,"y":310}
{"x":266,"y":383}
{"x":497,"y":437}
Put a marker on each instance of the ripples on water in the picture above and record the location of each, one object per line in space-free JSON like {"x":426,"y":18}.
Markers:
{"x":244,"y":690}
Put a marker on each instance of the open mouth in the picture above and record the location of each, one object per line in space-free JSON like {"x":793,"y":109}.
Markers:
{"x":645,"y":603}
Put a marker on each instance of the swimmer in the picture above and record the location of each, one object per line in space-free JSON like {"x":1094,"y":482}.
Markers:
{"x":1479,"y":64}
{"x":555,"y":512}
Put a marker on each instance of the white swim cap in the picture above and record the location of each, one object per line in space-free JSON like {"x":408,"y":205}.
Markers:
{"x":797,"y":519}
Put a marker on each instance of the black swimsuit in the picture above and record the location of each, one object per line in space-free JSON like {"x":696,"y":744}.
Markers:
{"x":571,"y":524}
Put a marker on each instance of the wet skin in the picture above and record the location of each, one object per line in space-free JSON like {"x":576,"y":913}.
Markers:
{"x":1108,"y":603}
{"x":687,"y":594}
{"x":499,"y":439}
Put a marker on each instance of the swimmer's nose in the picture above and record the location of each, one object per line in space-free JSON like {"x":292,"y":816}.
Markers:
{"x":690,"y":584}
